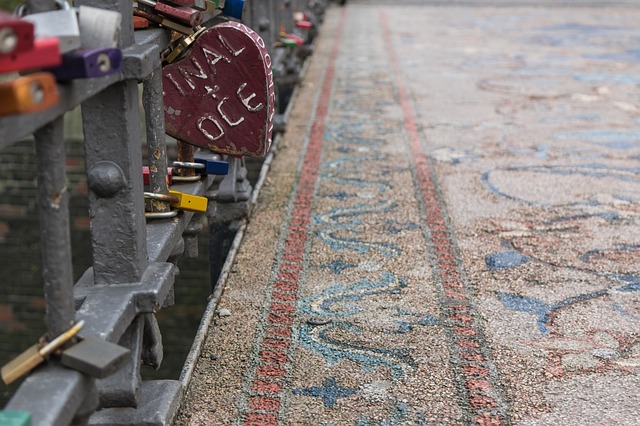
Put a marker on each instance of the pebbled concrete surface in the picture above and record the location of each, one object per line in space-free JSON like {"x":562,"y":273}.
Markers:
{"x":450,"y":231}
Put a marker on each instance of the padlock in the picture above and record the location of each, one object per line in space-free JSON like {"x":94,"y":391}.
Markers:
{"x":183,"y":14}
{"x":291,"y":40}
{"x":99,"y":28}
{"x":16,"y":35}
{"x":88,"y":64}
{"x":95,"y":357}
{"x":146,"y":179}
{"x":180,"y":200}
{"x":162,"y":21}
{"x":219,"y":95}
{"x":204,"y":167}
{"x":35,"y":355}
{"x":234,"y":8}
{"x":180,"y":46}
{"x":30,"y":93}
{"x":15,"y":418}
{"x":287,"y":42}
{"x":188,"y":202}
{"x":45,"y":53}
{"x":62,"y":24}
{"x":196,"y":4}
{"x":304,"y":25}
{"x":140,"y":23}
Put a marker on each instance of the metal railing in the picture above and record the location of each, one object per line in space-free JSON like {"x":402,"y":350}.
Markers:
{"x":133,"y":270}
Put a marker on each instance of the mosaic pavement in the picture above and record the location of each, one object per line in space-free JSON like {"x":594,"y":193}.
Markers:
{"x":450,"y":231}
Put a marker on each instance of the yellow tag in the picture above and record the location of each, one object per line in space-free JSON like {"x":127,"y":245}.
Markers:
{"x":188,"y":202}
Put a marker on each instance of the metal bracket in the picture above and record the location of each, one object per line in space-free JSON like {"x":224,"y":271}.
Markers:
{"x":157,"y":406}
{"x":109,"y":309}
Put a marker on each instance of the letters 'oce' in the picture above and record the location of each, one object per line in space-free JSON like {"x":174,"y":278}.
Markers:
{"x":220,"y":96}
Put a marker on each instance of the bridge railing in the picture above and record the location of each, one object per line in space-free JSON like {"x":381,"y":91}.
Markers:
{"x":133,"y":267}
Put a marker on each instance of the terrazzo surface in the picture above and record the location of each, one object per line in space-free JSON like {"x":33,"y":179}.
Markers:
{"x":449,"y":233}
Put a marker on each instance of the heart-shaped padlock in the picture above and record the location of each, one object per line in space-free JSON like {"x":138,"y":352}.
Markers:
{"x":220,"y":95}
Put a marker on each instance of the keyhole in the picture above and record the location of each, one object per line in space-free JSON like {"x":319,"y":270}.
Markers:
{"x":37,"y":93}
{"x":104,"y":62}
{"x":8,"y":40}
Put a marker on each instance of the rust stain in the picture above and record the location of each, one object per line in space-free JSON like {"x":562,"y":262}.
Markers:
{"x":56,"y":199}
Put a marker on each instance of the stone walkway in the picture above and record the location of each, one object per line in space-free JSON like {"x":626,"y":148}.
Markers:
{"x":449,"y":233}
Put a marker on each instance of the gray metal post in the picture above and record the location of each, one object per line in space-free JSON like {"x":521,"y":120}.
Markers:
{"x":156,"y":144}
{"x":53,"y":205}
{"x":111,"y":122}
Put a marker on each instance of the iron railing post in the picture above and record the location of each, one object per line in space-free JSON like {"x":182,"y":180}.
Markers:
{"x":111,"y":122}
{"x":53,"y":206}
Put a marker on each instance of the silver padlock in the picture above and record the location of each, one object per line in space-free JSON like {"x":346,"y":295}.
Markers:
{"x":62,"y":23}
{"x":99,"y":28}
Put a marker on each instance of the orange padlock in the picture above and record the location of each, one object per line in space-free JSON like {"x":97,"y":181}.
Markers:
{"x":30,"y":93}
{"x":140,"y":23}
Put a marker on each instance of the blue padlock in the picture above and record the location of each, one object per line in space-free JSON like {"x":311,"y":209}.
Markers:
{"x":234,"y":8}
{"x":88,"y":63}
{"x":203,"y":167}
{"x":212,"y":167}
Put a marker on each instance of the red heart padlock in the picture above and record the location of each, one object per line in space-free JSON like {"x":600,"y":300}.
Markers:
{"x":220,"y":96}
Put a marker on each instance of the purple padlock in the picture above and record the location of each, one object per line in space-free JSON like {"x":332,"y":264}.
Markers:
{"x":88,"y":64}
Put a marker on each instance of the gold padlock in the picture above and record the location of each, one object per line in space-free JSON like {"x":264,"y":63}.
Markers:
{"x":188,"y":202}
{"x":35,"y":355}
{"x":29,"y":93}
{"x":180,"y":45}
{"x":180,"y":201}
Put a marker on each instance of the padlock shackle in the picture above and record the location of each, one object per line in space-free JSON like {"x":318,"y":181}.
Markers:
{"x":161,"y":215}
{"x":188,"y":165}
{"x":56,"y":343}
{"x":161,"y":197}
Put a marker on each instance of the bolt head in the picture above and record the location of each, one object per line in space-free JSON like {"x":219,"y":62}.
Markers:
{"x":106,"y":179}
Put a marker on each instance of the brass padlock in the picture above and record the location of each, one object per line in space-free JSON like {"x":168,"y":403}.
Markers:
{"x":179,"y":46}
{"x":35,"y":355}
{"x":181,"y":200}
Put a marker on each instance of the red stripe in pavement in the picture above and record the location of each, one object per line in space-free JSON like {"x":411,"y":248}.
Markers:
{"x":265,"y":402}
{"x":469,"y":353}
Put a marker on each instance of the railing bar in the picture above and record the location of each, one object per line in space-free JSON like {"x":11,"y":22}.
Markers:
{"x":152,"y":100}
{"x":53,"y":204}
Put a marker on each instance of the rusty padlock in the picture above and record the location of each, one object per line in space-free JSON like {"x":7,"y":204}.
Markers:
{"x":162,"y":21}
{"x":183,"y":14}
{"x":220,"y":94}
